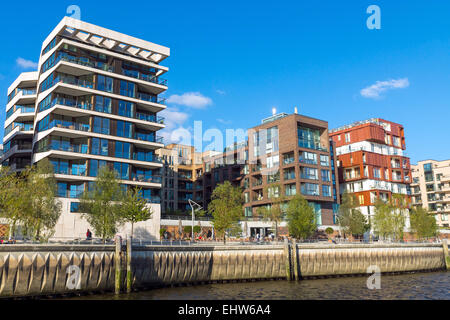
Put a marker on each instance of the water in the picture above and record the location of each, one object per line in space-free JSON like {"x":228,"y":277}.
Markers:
{"x":433,"y":285}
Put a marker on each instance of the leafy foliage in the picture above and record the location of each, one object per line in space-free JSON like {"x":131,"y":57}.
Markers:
{"x":135,"y":208}
{"x":226,"y":208}
{"x":389,"y":220}
{"x":301,"y":218}
{"x":101,"y":206}
{"x":423,"y":223}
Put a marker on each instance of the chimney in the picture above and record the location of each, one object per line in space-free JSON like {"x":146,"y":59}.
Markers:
{"x":295,"y":110}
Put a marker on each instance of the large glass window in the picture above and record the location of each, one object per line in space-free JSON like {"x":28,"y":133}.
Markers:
{"x":101,"y":125}
{"x":325,"y":174}
{"x":62,"y":189}
{"x":102,"y":104}
{"x":126,"y":109}
{"x":123,"y":170}
{"x":308,"y":138}
{"x":94,"y":166}
{"x":310,"y":189}
{"x":122,"y":150}
{"x":104,"y":83}
{"x":76,"y":190}
{"x":99,"y":146}
{"x":60,"y":166}
{"x":290,"y":189}
{"x":308,"y":157}
{"x":326,"y":190}
{"x":324,"y":160}
{"x":123,"y":129}
{"x":309,"y":173}
{"x":127,"y":89}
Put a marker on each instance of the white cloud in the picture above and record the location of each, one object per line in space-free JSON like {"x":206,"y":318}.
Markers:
{"x":174,"y":120}
{"x":374,"y":90}
{"x":190,"y":99}
{"x":26,"y":64}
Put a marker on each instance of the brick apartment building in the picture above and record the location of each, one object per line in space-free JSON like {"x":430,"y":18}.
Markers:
{"x":372,"y":161}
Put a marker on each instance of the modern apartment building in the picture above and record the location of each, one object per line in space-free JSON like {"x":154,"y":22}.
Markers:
{"x":183,"y":167}
{"x":19,"y":122}
{"x":372,"y":161}
{"x":92,"y":102}
{"x":430,"y":188}
{"x":285,"y":155}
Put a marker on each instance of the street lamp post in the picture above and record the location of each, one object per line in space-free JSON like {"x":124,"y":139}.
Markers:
{"x":198,"y":207}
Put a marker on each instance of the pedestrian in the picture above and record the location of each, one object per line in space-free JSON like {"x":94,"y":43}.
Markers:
{"x":88,"y":234}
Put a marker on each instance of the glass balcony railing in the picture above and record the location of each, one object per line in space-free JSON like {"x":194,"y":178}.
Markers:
{"x":69,"y":125}
{"x":146,"y":178}
{"x":78,"y":148}
{"x":148,"y":137}
{"x":85,"y":62}
{"x":145,"y":77}
{"x":150,"y":98}
{"x":75,"y":82}
{"x":25,"y":92}
{"x":82,"y":172}
{"x":154,"y":199}
{"x":149,"y":117}
{"x":22,"y":127}
{"x":146,"y":157}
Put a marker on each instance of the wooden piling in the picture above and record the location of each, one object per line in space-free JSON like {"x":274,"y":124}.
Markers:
{"x":118,"y":265}
{"x":129,"y":273}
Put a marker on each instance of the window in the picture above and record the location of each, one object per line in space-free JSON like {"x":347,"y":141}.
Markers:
{"x":60,"y":166}
{"x":325,"y":174}
{"x":326,"y":190}
{"x":126,"y":109}
{"x":310,"y":189}
{"x":62,"y":189}
{"x":288,"y":158}
{"x":101,"y":125}
{"x":308,"y":157}
{"x":99,"y":146}
{"x":273,"y":161}
{"x":308,"y":138}
{"x":248,"y":211}
{"x":246,"y":197}
{"x":74,"y":207}
{"x":289,"y":174}
{"x":324,"y":160}
{"x":127,"y":88}
{"x":396,"y":141}
{"x":42,"y":125}
{"x":347,"y":137}
{"x":76,"y":190}
{"x":94,"y":166}
{"x":122,"y":150}
{"x":123,"y":170}
{"x":104,"y":83}
{"x":290,"y":189}
{"x":308,"y":173}
{"x":361,"y":199}
{"x":376,"y":173}
{"x":123,"y":129}
{"x":102,"y":104}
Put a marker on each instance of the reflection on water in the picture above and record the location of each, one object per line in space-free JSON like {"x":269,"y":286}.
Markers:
{"x":433,"y":285}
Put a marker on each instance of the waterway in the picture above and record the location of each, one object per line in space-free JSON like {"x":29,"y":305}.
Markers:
{"x":432,"y":285}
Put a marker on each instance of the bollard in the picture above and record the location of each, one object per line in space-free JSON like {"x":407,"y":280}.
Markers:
{"x":118,"y":265}
{"x":446,"y":257}
{"x":288,"y":260}
{"x":295,"y":260}
{"x":129,"y":274}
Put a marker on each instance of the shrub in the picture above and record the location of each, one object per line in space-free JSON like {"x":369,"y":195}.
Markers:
{"x":187,"y":229}
{"x":161,"y":232}
{"x":329,"y":230}
{"x":197,"y":229}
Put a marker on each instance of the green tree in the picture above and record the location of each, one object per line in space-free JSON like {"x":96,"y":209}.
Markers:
{"x":329,"y":231}
{"x":274,"y":212}
{"x":423,"y":223}
{"x":135,"y":208}
{"x":301,"y":218}
{"x":389,"y":219}
{"x":226,"y":208}
{"x":358,"y":223}
{"x":43,"y":209}
{"x":13,"y":198}
{"x":344,"y":216}
{"x":101,"y":205}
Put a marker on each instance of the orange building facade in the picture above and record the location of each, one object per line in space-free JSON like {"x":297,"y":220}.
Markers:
{"x":372,"y":161}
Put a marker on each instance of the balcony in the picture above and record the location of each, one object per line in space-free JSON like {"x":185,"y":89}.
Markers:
{"x":69,"y":125}
{"x":25,"y":92}
{"x":84,"y":62}
{"x":21,"y":126}
{"x":150,"y":98}
{"x":149,"y":117}
{"x":74,"y":171}
{"x":257,"y":183}
{"x":77,"y":148}
{"x":145,"y":178}
{"x":146,"y":157}
{"x":145,"y":77}
{"x":148,"y":137}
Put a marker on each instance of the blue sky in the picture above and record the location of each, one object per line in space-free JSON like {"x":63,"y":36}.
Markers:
{"x":233,"y":61}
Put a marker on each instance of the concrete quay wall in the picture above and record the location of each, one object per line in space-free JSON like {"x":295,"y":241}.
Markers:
{"x":57,"y":269}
